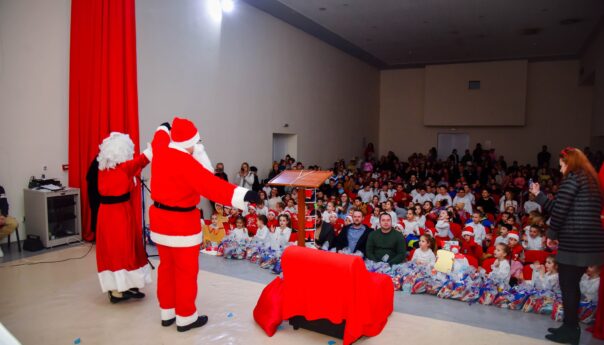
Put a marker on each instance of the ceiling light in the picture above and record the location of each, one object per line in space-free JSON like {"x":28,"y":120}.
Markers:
{"x":227,"y":5}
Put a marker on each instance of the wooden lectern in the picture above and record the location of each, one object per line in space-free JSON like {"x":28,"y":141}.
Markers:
{"x":301,"y":179}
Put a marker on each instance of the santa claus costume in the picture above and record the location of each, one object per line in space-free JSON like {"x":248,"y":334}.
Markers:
{"x":121,"y":258}
{"x":177,"y":181}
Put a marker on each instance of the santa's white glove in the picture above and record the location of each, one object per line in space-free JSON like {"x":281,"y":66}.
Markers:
{"x":148,"y":152}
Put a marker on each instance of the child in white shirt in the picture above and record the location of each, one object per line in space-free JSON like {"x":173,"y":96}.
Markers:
{"x":240,"y":232}
{"x":480,"y":233}
{"x":534,"y":240}
{"x":590,"y":284}
{"x":504,"y":230}
{"x":545,"y":277}
{"x":443,"y":228}
{"x":501,"y":269}
{"x":280,"y":237}
{"x":262,"y":234}
{"x":424,"y":255}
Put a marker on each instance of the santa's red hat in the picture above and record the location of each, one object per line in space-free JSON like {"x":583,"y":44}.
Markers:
{"x":514,"y":234}
{"x":468,"y":230}
{"x":184,"y":134}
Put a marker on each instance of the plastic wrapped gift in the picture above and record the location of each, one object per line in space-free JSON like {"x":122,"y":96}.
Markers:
{"x":541,"y":302}
{"x":471,"y":295}
{"x":587,"y":311}
{"x":277,"y":267}
{"x":558,"y":311}
{"x":409,"y":280}
{"x":420,"y":286}
{"x":435,"y":282}
{"x":488,"y":293}
{"x":396,"y":281}
{"x":446,"y":290}
{"x":459,"y":290}
{"x":513,"y":299}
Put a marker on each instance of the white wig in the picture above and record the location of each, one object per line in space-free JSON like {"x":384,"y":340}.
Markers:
{"x":115,"y":149}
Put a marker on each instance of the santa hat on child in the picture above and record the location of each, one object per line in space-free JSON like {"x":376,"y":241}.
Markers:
{"x":468,"y":230}
{"x":399,"y":227}
{"x":514,"y":234}
{"x":251,"y":207}
{"x":184,"y":134}
{"x":273,"y":212}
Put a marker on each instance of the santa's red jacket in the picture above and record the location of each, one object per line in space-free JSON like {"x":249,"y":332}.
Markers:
{"x":178,"y":180}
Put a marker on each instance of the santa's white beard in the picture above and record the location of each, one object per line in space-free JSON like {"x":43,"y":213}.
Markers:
{"x":201,"y":156}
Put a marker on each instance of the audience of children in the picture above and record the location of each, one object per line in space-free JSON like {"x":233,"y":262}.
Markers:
{"x":503,"y":226}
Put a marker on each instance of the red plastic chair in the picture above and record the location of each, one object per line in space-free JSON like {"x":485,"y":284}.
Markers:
{"x":531,"y":256}
{"x":527,"y":272}
{"x":410,"y":254}
{"x":472,"y":261}
{"x":486,"y":264}
{"x":455,"y":230}
{"x":491,"y":217}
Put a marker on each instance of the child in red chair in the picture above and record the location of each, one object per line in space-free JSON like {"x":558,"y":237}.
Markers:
{"x":468,"y":246}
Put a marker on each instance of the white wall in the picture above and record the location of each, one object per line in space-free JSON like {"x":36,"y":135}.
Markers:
{"x":243,"y":79}
{"x":34,"y":72}
{"x":239,"y":81}
{"x":558,"y":114}
{"x":500,"y":100}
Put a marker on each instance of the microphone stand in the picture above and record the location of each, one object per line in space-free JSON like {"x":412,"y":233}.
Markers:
{"x":145,"y":229}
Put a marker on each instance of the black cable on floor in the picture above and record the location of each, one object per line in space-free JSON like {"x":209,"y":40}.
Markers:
{"x":51,"y":262}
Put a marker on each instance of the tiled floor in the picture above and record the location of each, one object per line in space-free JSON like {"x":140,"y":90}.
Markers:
{"x":435,"y":315}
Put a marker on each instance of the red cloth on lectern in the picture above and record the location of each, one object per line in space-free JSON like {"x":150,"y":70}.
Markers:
{"x":598,"y":327}
{"x":363,"y":299}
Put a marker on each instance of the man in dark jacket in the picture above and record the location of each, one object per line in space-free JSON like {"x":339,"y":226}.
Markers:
{"x":353,"y":236}
{"x":324,"y":233}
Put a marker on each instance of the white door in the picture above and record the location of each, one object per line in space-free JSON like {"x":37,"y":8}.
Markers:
{"x":284,"y":144}
{"x":447,"y":142}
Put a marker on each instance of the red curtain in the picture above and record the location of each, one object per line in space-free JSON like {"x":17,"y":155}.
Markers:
{"x":102,"y":86}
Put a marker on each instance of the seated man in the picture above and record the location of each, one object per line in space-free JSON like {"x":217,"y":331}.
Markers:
{"x":385,"y":244}
{"x":354,"y":236}
{"x":7,"y":224}
{"x":324,"y":232}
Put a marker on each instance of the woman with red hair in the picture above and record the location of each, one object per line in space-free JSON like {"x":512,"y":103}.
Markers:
{"x":576,"y":229}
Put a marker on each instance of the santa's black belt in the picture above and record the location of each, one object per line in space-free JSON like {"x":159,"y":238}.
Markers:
{"x":173,"y":208}
{"x":110,"y":199}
